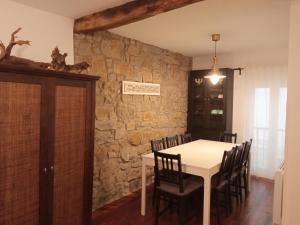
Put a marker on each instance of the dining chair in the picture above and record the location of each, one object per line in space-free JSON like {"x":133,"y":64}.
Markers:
{"x":186,"y":138}
{"x":171,"y":185}
{"x":221,"y":185}
{"x":244,"y":175}
{"x":228,"y":137}
{"x":156,"y":145}
{"x":234,"y":178}
{"x":172,"y":141}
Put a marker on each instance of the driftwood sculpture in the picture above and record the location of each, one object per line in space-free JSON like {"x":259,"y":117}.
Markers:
{"x":6,"y":58}
{"x":58,"y":60}
{"x":59,"y":63}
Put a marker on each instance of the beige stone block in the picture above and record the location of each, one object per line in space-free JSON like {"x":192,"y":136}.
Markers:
{"x":134,"y":48}
{"x":111,"y":92}
{"x":145,"y":124}
{"x":108,"y":184}
{"x":177,"y":117}
{"x":84,"y":47}
{"x":130,"y":125}
{"x":124,"y":166}
{"x":135,"y":75}
{"x":120,"y":133}
{"x":133,"y":152}
{"x":106,"y":125}
{"x":134,"y":138}
{"x":150,"y":116}
{"x":125,"y":155}
{"x":134,"y":185}
{"x":144,"y":149}
{"x":127,"y":99}
{"x":148,"y":135}
{"x":102,"y":137}
{"x":122,"y":68}
{"x":105,"y":172}
{"x":125,"y":112}
{"x":111,"y":77}
{"x":146,"y":74}
{"x":136,"y":163}
{"x":134,"y":173}
{"x":104,"y":112}
{"x":139,"y":61}
{"x":99,"y":65}
{"x":151,"y":50}
{"x":109,"y":63}
{"x":156,"y":77}
{"x":113,"y":151}
{"x":113,"y":48}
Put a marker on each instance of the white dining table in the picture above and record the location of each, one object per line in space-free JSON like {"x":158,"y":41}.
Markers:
{"x":202,"y":158}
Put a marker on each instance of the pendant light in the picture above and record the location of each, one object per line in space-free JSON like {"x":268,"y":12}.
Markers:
{"x":215,"y":75}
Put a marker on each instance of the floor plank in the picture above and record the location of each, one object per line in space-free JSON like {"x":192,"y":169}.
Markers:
{"x":256,"y":210}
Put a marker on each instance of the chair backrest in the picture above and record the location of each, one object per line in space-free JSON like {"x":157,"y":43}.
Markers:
{"x":246,"y":152}
{"x":168,"y":168}
{"x":226,"y":165}
{"x":186,"y":138}
{"x":238,"y":159}
{"x":157,"y":145}
{"x":172,"y":141}
{"x":228,"y":137}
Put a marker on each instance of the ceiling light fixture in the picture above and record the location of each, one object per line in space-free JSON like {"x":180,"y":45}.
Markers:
{"x":215,"y":75}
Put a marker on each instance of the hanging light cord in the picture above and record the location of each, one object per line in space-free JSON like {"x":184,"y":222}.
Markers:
{"x":215,"y":49}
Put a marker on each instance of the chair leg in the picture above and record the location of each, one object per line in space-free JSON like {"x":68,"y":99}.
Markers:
{"x":171,"y":206}
{"x":198,"y":204}
{"x":154,"y":195}
{"x":227,"y":201}
{"x":229,"y":197}
{"x":180,"y":211}
{"x":218,"y":208}
{"x":237,"y":192}
{"x":240,"y":188}
{"x":157,"y":206}
{"x":246,"y":183}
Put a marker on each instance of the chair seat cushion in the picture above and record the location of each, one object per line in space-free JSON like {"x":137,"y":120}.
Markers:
{"x":190,"y":185}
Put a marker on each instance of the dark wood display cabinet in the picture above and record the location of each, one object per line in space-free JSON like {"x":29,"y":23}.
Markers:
{"x":210,"y":106}
{"x":46,"y":147}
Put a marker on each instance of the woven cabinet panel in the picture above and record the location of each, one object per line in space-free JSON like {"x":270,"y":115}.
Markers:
{"x":69,"y":153}
{"x":20,"y":108}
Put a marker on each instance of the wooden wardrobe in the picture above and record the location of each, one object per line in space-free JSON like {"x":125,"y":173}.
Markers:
{"x":46,"y":147}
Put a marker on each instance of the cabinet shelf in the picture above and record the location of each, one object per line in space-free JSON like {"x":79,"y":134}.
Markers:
{"x":210,"y":106}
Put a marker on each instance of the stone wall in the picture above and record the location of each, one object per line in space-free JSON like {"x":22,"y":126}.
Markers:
{"x":125,"y":124}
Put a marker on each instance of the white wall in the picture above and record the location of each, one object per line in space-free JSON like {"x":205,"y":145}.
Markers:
{"x":44,"y":29}
{"x":255,"y":58}
{"x":291,"y":200}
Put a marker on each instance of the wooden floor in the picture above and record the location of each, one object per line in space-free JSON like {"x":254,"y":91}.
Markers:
{"x":256,"y":210}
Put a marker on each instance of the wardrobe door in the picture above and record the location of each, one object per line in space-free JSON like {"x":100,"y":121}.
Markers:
{"x":20,"y":134}
{"x":70,"y":149}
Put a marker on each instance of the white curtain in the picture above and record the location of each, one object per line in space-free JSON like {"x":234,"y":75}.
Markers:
{"x":259,"y":113}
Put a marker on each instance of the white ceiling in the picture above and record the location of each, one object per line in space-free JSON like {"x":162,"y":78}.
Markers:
{"x":72,"y":8}
{"x":244,"y":25}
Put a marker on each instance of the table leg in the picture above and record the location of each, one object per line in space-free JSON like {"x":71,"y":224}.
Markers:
{"x":206,"y":208}
{"x":143,"y":199}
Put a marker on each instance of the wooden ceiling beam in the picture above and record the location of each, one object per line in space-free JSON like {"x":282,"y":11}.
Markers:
{"x":127,"y":13}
